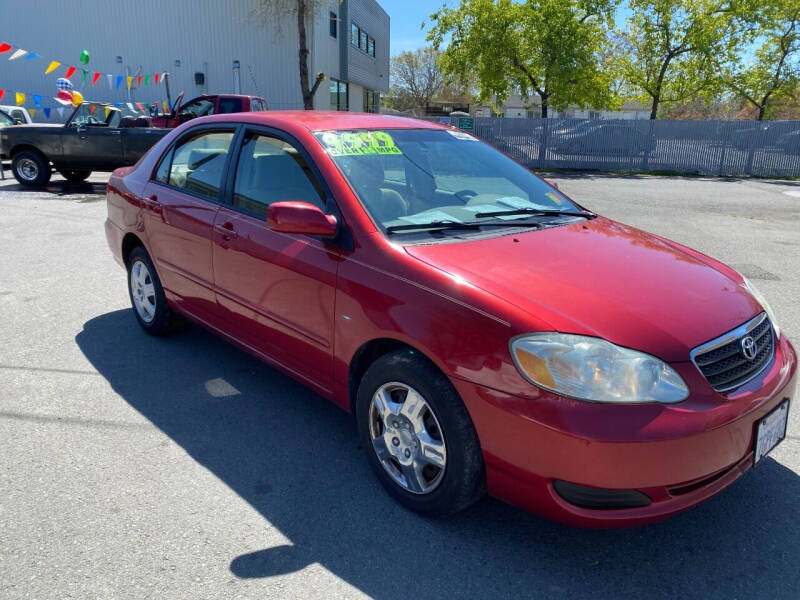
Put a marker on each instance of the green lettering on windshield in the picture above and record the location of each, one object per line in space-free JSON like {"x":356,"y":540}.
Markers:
{"x":363,"y":143}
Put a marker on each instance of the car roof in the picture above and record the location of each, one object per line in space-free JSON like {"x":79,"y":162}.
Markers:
{"x":321,"y":120}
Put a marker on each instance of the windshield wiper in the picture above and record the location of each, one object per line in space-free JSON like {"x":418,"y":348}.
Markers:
{"x":440,"y":225}
{"x":537,"y":212}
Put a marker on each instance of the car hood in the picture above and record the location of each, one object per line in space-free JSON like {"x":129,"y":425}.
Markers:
{"x":605,"y":279}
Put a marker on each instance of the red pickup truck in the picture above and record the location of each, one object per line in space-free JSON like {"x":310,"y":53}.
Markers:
{"x":208,"y":105}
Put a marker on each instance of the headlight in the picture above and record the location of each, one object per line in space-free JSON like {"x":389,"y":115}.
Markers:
{"x":589,"y":368}
{"x":764,"y":304}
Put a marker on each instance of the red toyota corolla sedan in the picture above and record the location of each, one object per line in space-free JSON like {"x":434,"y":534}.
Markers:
{"x":487,"y":332}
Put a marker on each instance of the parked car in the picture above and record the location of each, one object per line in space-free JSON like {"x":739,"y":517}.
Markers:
{"x":18,"y":113}
{"x":206,"y":105}
{"x":97,"y":137}
{"x":597,"y":138}
{"x":487,"y":332}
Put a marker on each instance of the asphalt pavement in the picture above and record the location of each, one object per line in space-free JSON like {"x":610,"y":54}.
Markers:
{"x":134,"y":467}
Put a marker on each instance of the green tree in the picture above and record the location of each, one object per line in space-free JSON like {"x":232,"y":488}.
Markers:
{"x":547,"y":48}
{"x":773,"y":71}
{"x":674,"y":50}
{"x":415,"y":78}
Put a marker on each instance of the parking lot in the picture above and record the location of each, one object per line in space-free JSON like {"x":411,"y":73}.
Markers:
{"x":134,"y":467}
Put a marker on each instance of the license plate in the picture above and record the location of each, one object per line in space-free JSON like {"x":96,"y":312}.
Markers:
{"x":771,"y":429}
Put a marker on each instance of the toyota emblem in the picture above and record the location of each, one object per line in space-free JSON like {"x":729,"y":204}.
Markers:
{"x":749,"y":348}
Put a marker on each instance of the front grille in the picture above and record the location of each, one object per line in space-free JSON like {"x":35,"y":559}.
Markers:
{"x":722,"y":361}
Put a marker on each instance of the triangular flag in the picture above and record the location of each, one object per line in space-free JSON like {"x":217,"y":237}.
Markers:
{"x":92,"y":108}
{"x":18,"y":54}
{"x":139,"y":80}
{"x":155,"y":78}
{"x":4,"y":47}
{"x":37,"y":100}
{"x":118,"y":104}
{"x":130,"y":80}
{"x":32,"y":112}
{"x":146,"y":79}
{"x":2,"y":93}
{"x":166,"y":108}
{"x":108,"y":110}
{"x":52,"y":67}
{"x":70,"y":72}
{"x":95,"y":77}
{"x":60,"y":110}
{"x":47,"y":112}
{"x":20,"y":98}
{"x":119,"y":81}
{"x":130,"y":107}
{"x":139,"y":106}
{"x":85,"y":75}
{"x":31,"y":55}
{"x":110,"y":78}
{"x":147,"y":106}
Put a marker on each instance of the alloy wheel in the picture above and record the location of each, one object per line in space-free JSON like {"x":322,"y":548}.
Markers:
{"x":407,"y":438}
{"x":143,"y":291}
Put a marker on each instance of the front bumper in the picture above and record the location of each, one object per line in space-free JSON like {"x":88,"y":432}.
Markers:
{"x":678,"y":455}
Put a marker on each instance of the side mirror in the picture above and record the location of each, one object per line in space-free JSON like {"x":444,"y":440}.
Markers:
{"x":551,"y":183}
{"x":18,"y":122}
{"x":300,"y":217}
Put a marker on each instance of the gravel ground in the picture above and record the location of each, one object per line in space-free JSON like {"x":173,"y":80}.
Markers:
{"x":132,"y":467}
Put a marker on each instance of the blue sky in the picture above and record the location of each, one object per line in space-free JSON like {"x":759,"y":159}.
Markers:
{"x":407,"y":15}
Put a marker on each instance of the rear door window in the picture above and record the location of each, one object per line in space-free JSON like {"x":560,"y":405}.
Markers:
{"x":198,"y":163}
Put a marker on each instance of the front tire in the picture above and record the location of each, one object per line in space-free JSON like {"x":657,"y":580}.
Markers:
{"x":418,"y":436}
{"x":147,"y":296}
{"x":31,"y":169}
{"x":75,"y":176}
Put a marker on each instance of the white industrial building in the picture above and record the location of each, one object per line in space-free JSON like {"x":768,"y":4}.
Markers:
{"x":206,"y":46}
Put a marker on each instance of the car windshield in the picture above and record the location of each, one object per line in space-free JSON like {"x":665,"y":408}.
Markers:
{"x":425,"y":176}
{"x":5,"y":119}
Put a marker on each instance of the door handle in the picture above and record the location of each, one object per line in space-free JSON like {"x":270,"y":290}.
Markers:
{"x":226,"y":231}
{"x":153,"y":204}
{"x":114,"y":131}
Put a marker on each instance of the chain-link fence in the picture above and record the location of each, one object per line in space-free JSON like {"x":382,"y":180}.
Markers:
{"x":766,"y":149}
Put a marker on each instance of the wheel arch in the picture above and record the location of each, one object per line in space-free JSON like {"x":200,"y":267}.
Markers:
{"x":130,"y":241}
{"x":27,"y":146}
{"x":367,"y":354}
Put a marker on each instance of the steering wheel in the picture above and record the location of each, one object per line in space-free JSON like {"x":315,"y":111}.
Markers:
{"x":90,"y":120}
{"x":461,"y":193}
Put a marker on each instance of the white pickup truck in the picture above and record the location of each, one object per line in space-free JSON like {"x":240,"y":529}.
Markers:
{"x":17,"y":113}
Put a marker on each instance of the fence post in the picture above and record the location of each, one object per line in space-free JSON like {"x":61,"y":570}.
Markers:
{"x":543,"y":143}
{"x":646,"y":155}
{"x":724,"y":140}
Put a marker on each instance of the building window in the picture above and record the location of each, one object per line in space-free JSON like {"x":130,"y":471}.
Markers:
{"x":361,"y":40}
{"x":332,"y":24}
{"x":372,"y":101}
{"x":339,"y":95}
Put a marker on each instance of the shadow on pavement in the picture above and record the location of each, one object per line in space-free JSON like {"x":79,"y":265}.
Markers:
{"x":294,"y":457}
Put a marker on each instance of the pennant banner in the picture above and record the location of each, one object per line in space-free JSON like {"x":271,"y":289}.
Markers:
{"x":53,"y":65}
{"x":20,"y":98}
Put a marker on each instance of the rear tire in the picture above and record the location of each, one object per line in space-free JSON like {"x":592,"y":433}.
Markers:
{"x":147,"y":296}
{"x":75,"y":176}
{"x":31,"y":169}
{"x":428,"y":458}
